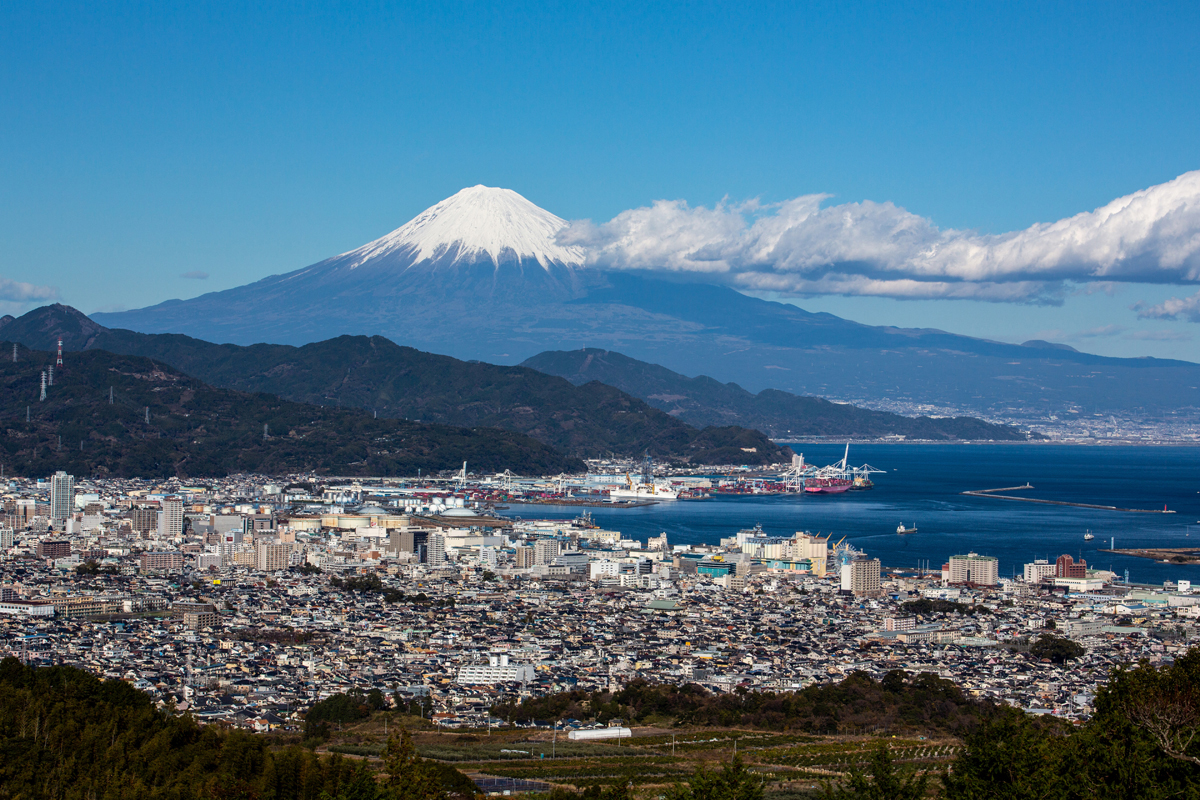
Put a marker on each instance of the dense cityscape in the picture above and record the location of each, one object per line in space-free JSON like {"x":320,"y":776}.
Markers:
{"x":247,"y":600}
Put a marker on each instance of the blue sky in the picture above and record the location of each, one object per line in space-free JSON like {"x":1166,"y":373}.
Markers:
{"x":145,"y":142}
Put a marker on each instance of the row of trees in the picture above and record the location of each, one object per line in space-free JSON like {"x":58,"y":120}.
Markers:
{"x":898,"y":701}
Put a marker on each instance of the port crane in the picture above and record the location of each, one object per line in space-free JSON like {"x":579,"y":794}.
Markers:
{"x":799,"y":473}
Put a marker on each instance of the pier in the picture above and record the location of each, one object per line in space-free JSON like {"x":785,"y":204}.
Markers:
{"x":992,"y":493}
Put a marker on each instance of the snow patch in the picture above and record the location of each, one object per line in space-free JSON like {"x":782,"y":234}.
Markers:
{"x":476,"y":222}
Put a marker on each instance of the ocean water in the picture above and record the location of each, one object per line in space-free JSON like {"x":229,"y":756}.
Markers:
{"x":922,"y":485}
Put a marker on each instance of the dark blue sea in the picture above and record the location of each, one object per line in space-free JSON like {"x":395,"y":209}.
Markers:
{"x":922,"y":485}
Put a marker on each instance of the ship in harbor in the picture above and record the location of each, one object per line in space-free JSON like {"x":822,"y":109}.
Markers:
{"x":827,"y":485}
{"x":653,"y":490}
{"x":836,"y":478}
{"x":901,"y":530}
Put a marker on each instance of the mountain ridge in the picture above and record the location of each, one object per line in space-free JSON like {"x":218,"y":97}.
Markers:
{"x":701,"y":400}
{"x":490,"y":303}
{"x":132,"y":416}
{"x":376,"y":374}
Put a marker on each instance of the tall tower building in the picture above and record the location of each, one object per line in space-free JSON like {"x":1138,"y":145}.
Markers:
{"x":170,"y":519}
{"x":62,"y":497}
{"x":437,"y":550}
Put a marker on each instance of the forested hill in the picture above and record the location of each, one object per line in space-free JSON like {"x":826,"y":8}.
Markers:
{"x":387,"y":379}
{"x":704,"y":401}
{"x":94,"y":421}
{"x":66,"y":735}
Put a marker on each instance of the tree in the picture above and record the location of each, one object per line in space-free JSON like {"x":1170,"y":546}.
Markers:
{"x":880,"y":781}
{"x":409,"y":777}
{"x":1056,"y":648}
{"x":732,"y":782}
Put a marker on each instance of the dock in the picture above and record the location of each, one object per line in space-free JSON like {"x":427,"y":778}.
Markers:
{"x":992,"y":493}
{"x":1173,"y":555}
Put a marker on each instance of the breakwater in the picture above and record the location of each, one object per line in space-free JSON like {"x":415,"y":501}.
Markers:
{"x":992,"y":493}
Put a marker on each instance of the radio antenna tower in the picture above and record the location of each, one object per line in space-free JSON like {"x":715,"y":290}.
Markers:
{"x":110,"y":395}
{"x":14,"y":352}
{"x":43,"y":397}
{"x":147,"y":415}
{"x":59,"y":361}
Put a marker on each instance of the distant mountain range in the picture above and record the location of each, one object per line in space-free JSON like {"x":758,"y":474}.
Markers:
{"x":109,"y":415}
{"x":482,"y":275}
{"x":375,"y":374}
{"x":704,"y":401}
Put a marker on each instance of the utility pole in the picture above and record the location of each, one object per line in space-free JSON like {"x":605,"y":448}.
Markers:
{"x":554,"y":741}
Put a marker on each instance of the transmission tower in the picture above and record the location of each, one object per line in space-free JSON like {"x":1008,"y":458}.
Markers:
{"x":43,"y":397}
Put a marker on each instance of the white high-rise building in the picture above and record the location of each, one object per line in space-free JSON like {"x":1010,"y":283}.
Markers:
{"x":974,"y":569}
{"x":435,"y":548}
{"x":62,"y":497}
{"x":7,"y":538}
{"x":170,"y":519}
{"x":862,"y":577}
{"x":546,"y":550}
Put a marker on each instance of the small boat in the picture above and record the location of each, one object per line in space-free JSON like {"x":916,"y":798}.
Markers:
{"x":1087,"y":537}
{"x":900,"y":529}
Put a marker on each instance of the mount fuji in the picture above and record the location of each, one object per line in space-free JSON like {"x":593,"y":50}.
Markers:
{"x":482,"y":276}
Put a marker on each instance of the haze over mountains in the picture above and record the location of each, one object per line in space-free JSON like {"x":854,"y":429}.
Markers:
{"x":704,"y":401}
{"x":483,"y":275}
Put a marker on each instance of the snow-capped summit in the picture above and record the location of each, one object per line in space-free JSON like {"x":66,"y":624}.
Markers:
{"x":476,"y":223}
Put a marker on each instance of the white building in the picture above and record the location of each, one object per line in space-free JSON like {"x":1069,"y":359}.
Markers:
{"x":1041,"y":568}
{"x":62,"y":497}
{"x":170,"y":519}
{"x":546,"y":550}
{"x":862,"y":577}
{"x":497,"y":670}
{"x":973,"y":568}
{"x":435,"y":548}
{"x":603,"y":568}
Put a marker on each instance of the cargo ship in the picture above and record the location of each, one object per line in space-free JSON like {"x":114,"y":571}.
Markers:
{"x":826,"y":485}
{"x":900,"y":529}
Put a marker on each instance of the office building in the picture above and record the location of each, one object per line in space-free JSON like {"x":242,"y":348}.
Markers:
{"x":62,"y":497}
{"x":1067,"y":567}
{"x":973,"y":569}
{"x":1038,"y":570}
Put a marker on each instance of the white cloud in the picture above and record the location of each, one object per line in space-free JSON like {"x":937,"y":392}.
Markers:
{"x":1101,"y":332}
{"x":1160,"y":336}
{"x":868,"y":248}
{"x":1174,"y":308}
{"x":18,"y":292}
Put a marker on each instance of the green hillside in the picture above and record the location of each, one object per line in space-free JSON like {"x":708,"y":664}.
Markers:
{"x":704,"y":401}
{"x":387,"y":379}
{"x":197,"y":430}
